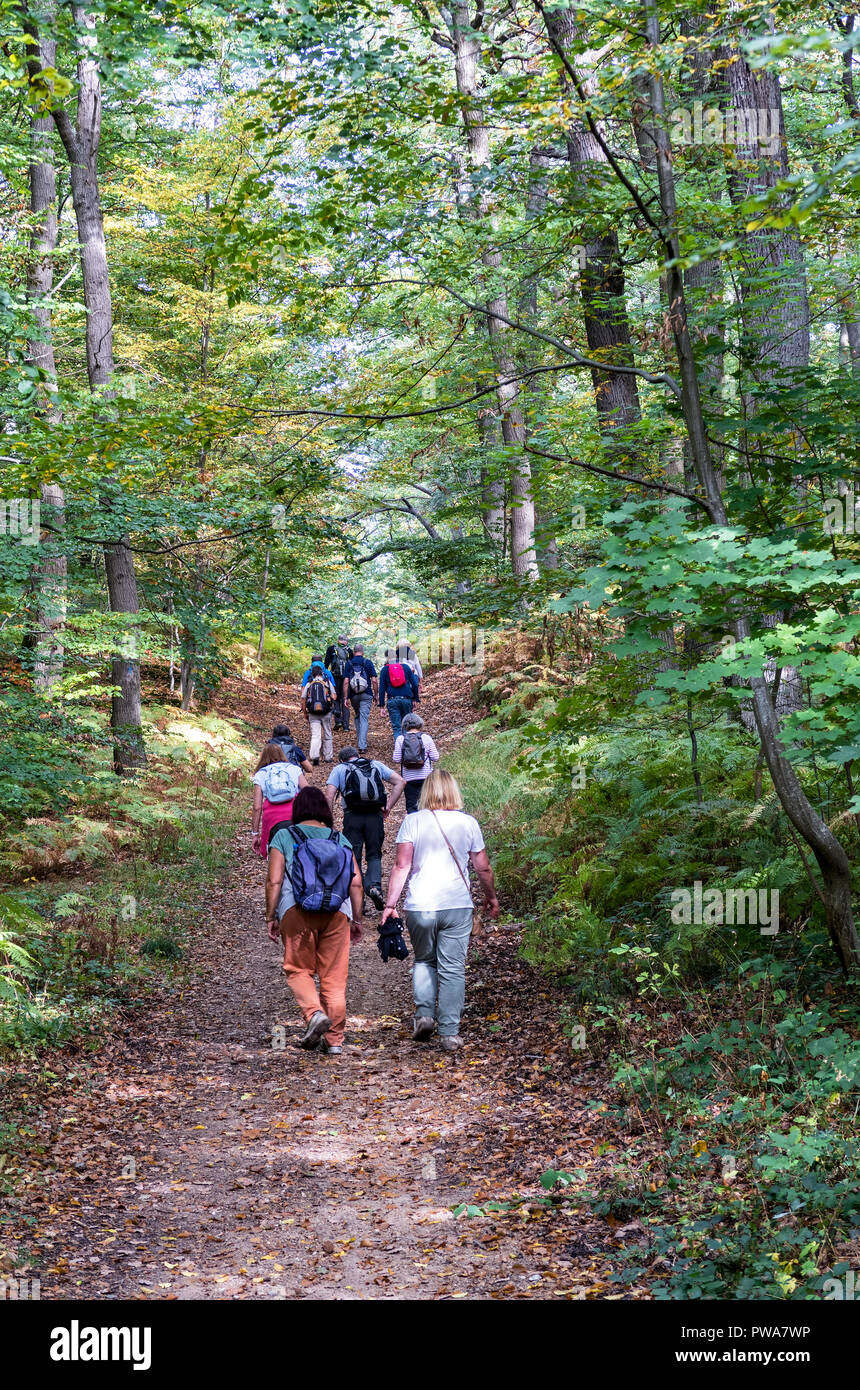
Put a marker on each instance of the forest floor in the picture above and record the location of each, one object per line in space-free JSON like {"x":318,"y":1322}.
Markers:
{"x":189,"y":1158}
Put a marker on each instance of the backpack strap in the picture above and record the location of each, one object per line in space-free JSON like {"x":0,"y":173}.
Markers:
{"x":298,"y":835}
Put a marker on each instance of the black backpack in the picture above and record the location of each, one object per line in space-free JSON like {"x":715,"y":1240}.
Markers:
{"x":318,"y":700}
{"x":338,"y":662}
{"x":363,"y":788}
{"x":412,"y":752}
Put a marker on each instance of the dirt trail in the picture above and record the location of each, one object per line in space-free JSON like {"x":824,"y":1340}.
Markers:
{"x":197,"y":1157}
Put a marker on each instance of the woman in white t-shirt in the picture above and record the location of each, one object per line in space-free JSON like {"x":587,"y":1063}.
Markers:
{"x":435,"y":846}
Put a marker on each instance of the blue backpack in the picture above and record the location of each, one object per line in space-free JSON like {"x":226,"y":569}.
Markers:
{"x":320,"y":872}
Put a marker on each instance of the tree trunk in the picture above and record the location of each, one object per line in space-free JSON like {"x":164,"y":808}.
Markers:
{"x":465,"y":44}
{"x":81,"y":143}
{"x":263,"y":604}
{"x":773,"y":283}
{"x":186,"y":681}
{"x":492,"y":486}
{"x":51,"y":571}
{"x":607,"y":329}
{"x":533,"y":396}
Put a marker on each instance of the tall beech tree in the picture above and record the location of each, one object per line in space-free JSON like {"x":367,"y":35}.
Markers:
{"x":80,"y":139}
{"x":465,"y":45}
{"x":52,"y":566}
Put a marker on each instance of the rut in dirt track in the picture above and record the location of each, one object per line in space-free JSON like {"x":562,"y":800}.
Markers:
{"x":198,"y":1158}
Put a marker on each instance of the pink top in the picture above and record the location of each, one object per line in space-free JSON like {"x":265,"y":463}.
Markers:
{"x":273,"y":811}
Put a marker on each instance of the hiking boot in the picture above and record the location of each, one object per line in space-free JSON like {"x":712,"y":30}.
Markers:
{"x":318,"y":1024}
{"x":452,"y":1044}
{"x":376,"y":897}
{"x":315,"y":761}
{"x":331,"y":1049}
{"x":423,"y":1028}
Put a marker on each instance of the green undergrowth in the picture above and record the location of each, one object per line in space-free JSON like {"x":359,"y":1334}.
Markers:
{"x":99,"y":898}
{"x":279,"y":660}
{"x":732,"y":1055}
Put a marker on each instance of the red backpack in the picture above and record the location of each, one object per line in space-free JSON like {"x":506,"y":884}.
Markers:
{"x":396,"y":674}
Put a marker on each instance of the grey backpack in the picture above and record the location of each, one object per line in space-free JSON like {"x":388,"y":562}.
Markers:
{"x":412,"y":752}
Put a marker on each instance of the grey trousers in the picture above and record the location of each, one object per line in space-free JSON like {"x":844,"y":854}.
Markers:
{"x":440,"y":941}
{"x":362,"y":706}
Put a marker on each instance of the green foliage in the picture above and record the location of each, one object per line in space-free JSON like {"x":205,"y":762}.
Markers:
{"x":280,"y":660}
{"x":144,"y":853}
{"x":739,"y":1092}
{"x":592,"y":832}
{"x":752,"y":1188}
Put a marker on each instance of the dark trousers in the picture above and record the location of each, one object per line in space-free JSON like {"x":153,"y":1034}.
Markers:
{"x":365,"y":831}
{"x":341,"y":713}
{"x":412,"y":792}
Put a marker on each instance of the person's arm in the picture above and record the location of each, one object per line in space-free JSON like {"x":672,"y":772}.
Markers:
{"x":346,"y":687}
{"x":356,"y":898}
{"x":307,"y":766}
{"x":303,"y":781}
{"x":481,"y":864}
{"x":399,"y":875}
{"x":413,"y":685}
{"x":398,"y":783}
{"x":432,"y":751}
{"x":383,"y":686}
{"x":330,"y":794}
{"x":256,"y":812}
{"x":274,"y":883}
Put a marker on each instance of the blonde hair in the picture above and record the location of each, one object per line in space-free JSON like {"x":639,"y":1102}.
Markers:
{"x":272,"y":753}
{"x":440,"y":792}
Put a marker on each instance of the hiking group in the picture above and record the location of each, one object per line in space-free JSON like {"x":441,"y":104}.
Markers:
{"x":318,"y":878}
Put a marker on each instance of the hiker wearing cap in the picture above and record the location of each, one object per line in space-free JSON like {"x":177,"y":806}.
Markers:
{"x":360,"y":688}
{"x":276,"y":782}
{"x":292,"y":752}
{"x":435,"y":846}
{"x":398,"y":685}
{"x":318,"y":695}
{"x":416,"y":753}
{"x":314,"y":901}
{"x":361,"y":783}
{"x":336,"y":657}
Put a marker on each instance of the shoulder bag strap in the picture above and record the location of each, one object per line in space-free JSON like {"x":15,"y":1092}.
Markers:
{"x":451,"y":850}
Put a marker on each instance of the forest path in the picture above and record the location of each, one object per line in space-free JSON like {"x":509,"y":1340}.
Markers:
{"x":194,"y":1159}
